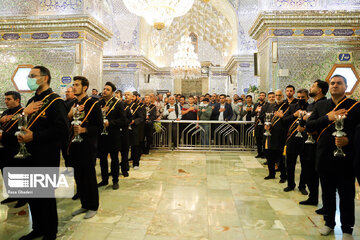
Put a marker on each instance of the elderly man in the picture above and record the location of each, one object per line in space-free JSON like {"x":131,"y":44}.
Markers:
{"x":274,"y":144}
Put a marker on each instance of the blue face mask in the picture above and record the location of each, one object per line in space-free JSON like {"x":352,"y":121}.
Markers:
{"x":31,"y":82}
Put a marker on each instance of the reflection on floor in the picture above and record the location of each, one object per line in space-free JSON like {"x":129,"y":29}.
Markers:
{"x":183,"y":195}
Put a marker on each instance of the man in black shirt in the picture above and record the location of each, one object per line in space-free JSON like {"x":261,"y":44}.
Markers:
{"x":275,"y":143}
{"x":317,"y":92}
{"x":83,"y":154}
{"x":47,"y":129}
{"x":9,"y":127}
{"x":110,"y":143}
{"x":149,"y":123}
{"x":290,"y":92}
{"x":294,"y":144}
{"x":259,"y":126}
{"x":336,"y":173}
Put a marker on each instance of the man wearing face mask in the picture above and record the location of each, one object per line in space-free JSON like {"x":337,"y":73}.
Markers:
{"x":294,"y":144}
{"x":274,"y":144}
{"x":47,"y":129}
{"x":317,"y":91}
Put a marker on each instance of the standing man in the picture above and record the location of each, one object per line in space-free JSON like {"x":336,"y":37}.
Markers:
{"x":259,"y":126}
{"x":83,"y":154}
{"x":294,"y":146}
{"x":336,"y":173}
{"x":318,"y":91}
{"x":47,"y":129}
{"x":290,"y":92}
{"x":172,"y":111}
{"x":8,"y":139}
{"x":149,"y":123}
{"x":275,"y":143}
{"x":110,"y":143}
{"x":222,"y":111}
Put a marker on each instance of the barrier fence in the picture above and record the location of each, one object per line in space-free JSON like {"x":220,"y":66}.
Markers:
{"x":204,"y":135}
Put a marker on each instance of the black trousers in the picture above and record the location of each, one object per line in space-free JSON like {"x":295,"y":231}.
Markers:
{"x":136,"y":153}
{"x":148,"y":137}
{"x":311,"y":176}
{"x":344,"y":183}
{"x":295,"y":149}
{"x":124,"y":164}
{"x":65,"y":154}
{"x":259,"y":135}
{"x":275,"y":156}
{"x":114,"y":166}
{"x":83,"y":157}
{"x":44,"y":215}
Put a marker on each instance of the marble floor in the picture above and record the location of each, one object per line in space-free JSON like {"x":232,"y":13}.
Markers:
{"x":188,"y":196}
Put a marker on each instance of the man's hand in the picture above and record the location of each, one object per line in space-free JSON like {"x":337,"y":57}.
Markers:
{"x":300,"y":129}
{"x":279,"y":114}
{"x":171,"y":110}
{"x":33,"y":107}
{"x":0,"y":135}
{"x":132,"y":122}
{"x":105,"y":108}
{"x":81,"y":108}
{"x":258,"y":109}
{"x":106,"y":123}
{"x":5,"y":118}
{"x":248,"y":109}
{"x":178,"y":119}
{"x":79,"y":130}
{"x":331,"y":115}
{"x":341,"y":141}
{"x":27,"y":137}
{"x":222,"y":110}
{"x":267,"y":127}
{"x":297,"y":113}
{"x":203,"y":110}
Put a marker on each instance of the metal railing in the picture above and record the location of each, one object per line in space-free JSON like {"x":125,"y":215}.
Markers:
{"x":204,"y":135}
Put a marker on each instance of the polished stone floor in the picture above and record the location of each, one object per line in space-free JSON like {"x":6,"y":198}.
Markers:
{"x":187,"y":195}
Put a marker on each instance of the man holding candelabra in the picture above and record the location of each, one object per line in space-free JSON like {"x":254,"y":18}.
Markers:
{"x":110,"y":138}
{"x":295,"y":139}
{"x":334,"y":158}
{"x":87,"y":125}
{"x":43,"y":133}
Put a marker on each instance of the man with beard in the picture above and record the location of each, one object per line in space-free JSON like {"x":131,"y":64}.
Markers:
{"x":149,"y":123}
{"x":137,"y":119}
{"x":9,"y":127}
{"x":294,"y":144}
{"x":259,"y":127}
{"x":110,"y":143}
{"x":275,"y":143}
{"x":83,"y":154}
{"x":290,"y":91}
{"x":317,"y":91}
{"x":336,"y":172}
{"x":46,"y":130}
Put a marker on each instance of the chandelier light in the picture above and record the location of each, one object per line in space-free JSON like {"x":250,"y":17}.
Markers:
{"x":186,"y":64}
{"x":159,"y":13}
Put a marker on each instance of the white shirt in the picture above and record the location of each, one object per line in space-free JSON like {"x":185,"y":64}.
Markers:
{"x":221,"y":116}
{"x":172,"y":115}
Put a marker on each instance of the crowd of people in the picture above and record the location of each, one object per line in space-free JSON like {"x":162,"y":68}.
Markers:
{"x":116,"y":122}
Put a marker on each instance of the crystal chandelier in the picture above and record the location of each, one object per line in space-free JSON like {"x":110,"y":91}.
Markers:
{"x":159,"y":13}
{"x":186,"y":64}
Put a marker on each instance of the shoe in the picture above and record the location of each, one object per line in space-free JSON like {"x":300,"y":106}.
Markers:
{"x":79,"y":211}
{"x":20,"y":203}
{"x":102,"y":183}
{"x":31,"y":235}
{"x":303,"y":191}
{"x":90,"y":214}
{"x":115,"y":186}
{"x":8,"y":200}
{"x":347,"y":236}
{"x":320,"y":211}
{"x":309,"y":202}
{"x":265,"y":163}
{"x":125,"y":174}
{"x":269,"y":177}
{"x":49,"y":237}
{"x":288,"y":189}
{"x":258,"y":156}
{"x":325,"y":230}
{"x":282,"y":181}
{"x":263,"y":156}
{"x":136,"y":168}
{"x":76,"y":196}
